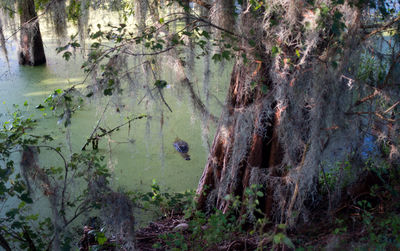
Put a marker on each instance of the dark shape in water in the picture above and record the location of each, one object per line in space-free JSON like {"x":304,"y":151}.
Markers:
{"x":182,"y":147}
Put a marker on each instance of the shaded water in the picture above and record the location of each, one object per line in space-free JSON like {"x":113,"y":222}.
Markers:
{"x":139,"y":154}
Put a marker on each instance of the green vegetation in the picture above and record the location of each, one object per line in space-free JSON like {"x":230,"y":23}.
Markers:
{"x":370,"y":219}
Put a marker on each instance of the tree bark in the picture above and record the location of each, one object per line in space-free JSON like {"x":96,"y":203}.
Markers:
{"x":237,"y":150}
{"x":275,"y":130}
{"x":246,"y":138}
{"x":31,"y":51}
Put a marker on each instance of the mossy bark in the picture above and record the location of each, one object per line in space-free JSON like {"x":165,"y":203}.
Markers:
{"x":222,"y":174}
{"x":245,"y":138}
{"x":276,"y":127}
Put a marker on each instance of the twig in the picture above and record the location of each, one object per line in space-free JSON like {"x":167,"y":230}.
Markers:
{"x":369,"y":97}
{"x":110,"y":131}
{"x":232,"y":243}
{"x":382,"y":28}
{"x":127,"y":51}
{"x":327,"y":188}
{"x":296,"y":189}
{"x":162,"y":98}
{"x":202,"y":3}
{"x":391,"y":69}
{"x":391,"y":108}
{"x":159,"y":89}
{"x":96,"y":127}
{"x":80,"y":210}
{"x":371,"y":113}
{"x":27,"y":237}
{"x":4,"y":243}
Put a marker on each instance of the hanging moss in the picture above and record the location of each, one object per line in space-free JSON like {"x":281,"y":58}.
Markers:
{"x":2,"y":39}
{"x":59,"y":18}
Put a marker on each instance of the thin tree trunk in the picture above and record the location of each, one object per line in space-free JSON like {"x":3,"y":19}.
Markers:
{"x":31,"y":51}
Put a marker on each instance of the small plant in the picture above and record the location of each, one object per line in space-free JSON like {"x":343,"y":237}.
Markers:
{"x":280,"y":238}
{"x":341,"y":227}
{"x":163,"y":203}
{"x":329,"y":176}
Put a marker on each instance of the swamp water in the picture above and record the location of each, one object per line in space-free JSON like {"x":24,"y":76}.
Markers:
{"x":140,"y":153}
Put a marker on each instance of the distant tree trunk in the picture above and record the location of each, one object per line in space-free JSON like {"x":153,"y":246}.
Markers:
{"x":31,"y":51}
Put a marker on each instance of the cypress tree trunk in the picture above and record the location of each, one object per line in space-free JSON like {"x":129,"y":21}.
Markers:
{"x":285,"y":112}
{"x":31,"y":51}
{"x":246,"y":136}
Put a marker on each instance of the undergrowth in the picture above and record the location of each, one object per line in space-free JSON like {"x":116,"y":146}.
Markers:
{"x":368,"y":221}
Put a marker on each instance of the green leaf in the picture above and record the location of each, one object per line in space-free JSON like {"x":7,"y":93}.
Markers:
{"x":264,"y":89}
{"x":226,"y":54}
{"x":63,"y":48}
{"x":253,"y":85}
{"x":16,"y":224}
{"x":161,"y":21}
{"x":325,"y":9}
{"x":47,"y":138}
{"x":252,"y":43}
{"x":108,"y":92}
{"x":205,"y":34}
{"x":12,"y":213}
{"x":260,"y":194}
{"x":274,"y":51}
{"x":25,"y":197}
{"x":161,"y":84}
{"x":157,"y":46}
{"x":96,"y":35}
{"x":67,"y":98}
{"x":67,"y":55}
{"x":101,"y":238}
{"x":75,"y":45}
{"x":32,"y":217}
{"x":288,"y":242}
{"x":278,"y":238}
{"x":298,"y":53}
{"x":95,"y":45}
{"x":217,"y":57}
{"x":21,"y":205}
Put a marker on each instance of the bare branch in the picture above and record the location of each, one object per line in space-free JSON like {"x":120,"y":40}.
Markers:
{"x":365,"y":99}
{"x":382,"y":28}
{"x":4,"y":243}
{"x":110,"y":131}
{"x":202,"y":3}
{"x":28,"y":238}
{"x":371,"y":113}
